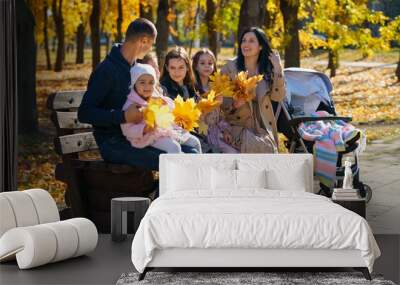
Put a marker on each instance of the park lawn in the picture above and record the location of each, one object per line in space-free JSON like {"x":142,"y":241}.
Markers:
{"x":370,"y":96}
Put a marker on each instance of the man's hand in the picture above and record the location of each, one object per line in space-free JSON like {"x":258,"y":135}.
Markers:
{"x":133,"y":115}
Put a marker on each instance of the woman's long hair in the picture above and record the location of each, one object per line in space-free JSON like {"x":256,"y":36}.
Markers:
{"x":195,"y":62}
{"x":264,"y":64}
{"x":178,"y":52}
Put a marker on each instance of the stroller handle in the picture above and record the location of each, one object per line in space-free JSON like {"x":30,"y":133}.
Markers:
{"x":298,"y":121}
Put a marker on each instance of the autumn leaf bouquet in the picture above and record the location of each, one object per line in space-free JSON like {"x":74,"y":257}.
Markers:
{"x":157,"y":114}
{"x":242,"y":87}
{"x":186,"y":113}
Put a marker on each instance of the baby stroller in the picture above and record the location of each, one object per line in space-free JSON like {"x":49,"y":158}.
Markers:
{"x":308,"y":91}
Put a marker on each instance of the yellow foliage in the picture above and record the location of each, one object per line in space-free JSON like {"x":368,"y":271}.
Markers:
{"x":221,"y":85}
{"x":209,"y":103}
{"x":244,"y":86}
{"x":186,"y":113}
{"x":203,"y":128}
{"x":156,"y":114}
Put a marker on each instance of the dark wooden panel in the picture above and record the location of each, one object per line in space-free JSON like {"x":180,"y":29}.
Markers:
{"x":355,"y":206}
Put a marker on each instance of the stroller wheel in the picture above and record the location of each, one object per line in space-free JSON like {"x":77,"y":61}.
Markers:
{"x":367,"y":193}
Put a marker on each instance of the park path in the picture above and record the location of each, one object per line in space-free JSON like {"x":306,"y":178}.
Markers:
{"x":380,"y":169}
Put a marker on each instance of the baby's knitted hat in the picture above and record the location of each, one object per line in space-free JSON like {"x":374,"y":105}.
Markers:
{"x":139,"y":69}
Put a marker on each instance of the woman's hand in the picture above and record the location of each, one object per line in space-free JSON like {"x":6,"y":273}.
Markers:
{"x":276,"y":61}
{"x":133,"y":115}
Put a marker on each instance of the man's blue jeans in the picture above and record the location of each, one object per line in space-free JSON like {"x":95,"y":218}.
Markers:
{"x":117,"y":149}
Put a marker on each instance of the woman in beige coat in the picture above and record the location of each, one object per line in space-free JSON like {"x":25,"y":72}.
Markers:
{"x":253,"y":125}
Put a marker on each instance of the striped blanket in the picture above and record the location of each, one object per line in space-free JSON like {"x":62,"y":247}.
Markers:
{"x":330,"y":138}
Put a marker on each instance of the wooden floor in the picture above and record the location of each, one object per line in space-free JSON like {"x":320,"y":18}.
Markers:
{"x":106,"y":264}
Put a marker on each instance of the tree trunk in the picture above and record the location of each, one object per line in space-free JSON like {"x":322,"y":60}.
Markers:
{"x":54,"y":44}
{"x":80,"y":44}
{"x":162,"y":26}
{"x":118,"y":39}
{"x":398,"y":69}
{"x":108,"y":41}
{"x":46,"y":36}
{"x":26,"y":70}
{"x":211,"y":29}
{"x":192,"y":38}
{"x":146,"y":11}
{"x":59,"y":25}
{"x":289,"y":9}
{"x":333,"y":61}
{"x":252,"y":13}
{"x":269,"y":19}
{"x":95,"y":33}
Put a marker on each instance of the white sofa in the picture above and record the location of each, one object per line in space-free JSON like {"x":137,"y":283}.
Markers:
{"x":31,"y":231}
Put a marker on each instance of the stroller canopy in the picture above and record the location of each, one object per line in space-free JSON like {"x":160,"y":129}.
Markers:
{"x":306,"y":89}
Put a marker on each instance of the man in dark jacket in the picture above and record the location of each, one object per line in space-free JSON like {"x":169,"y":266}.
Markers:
{"x":106,"y":93}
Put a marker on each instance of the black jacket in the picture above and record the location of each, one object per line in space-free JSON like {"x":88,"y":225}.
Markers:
{"x":106,"y":94}
{"x":173,"y":89}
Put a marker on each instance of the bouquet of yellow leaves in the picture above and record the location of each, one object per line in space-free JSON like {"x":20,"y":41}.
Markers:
{"x":209,"y":103}
{"x":186,"y":113}
{"x":158,"y":114}
{"x":221,"y":85}
{"x":244,"y":86}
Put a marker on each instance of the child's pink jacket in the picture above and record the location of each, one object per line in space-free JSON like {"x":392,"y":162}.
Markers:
{"x":134,"y":132}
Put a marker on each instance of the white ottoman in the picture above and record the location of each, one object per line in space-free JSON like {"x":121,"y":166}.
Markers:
{"x":31,"y":230}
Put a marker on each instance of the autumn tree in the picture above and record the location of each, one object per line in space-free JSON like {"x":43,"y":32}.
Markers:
{"x":273,"y":24}
{"x":119,"y":22}
{"x":83,"y":9}
{"x":162,"y":26}
{"x":212,"y":34}
{"x":95,"y":33}
{"x":57,"y":12}
{"x":146,"y":9}
{"x":46,"y":34}
{"x":344,"y":23}
{"x":290,"y":10}
{"x":252,"y":13}
{"x":391,"y":34}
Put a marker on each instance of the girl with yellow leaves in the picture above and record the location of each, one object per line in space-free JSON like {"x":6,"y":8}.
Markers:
{"x":165,"y":135}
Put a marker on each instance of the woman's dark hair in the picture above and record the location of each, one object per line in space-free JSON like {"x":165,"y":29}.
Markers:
{"x":178,"y":52}
{"x":264,"y":64}
{"x":195,"y":62}
{"x":139,"y":28}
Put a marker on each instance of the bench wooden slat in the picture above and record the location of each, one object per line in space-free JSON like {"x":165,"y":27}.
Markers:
{"x":75,"y":143}
{"x":69,"y":120}
{"x":65,"y":100}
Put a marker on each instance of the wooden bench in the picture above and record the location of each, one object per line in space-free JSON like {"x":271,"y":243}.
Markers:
{"x":91,"y":182}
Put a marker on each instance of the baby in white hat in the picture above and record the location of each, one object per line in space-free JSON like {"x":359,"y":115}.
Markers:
{"x":143,"y":87}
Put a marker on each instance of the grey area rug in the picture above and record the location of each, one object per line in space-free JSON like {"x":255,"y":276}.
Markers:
{"x":243,"y":278}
